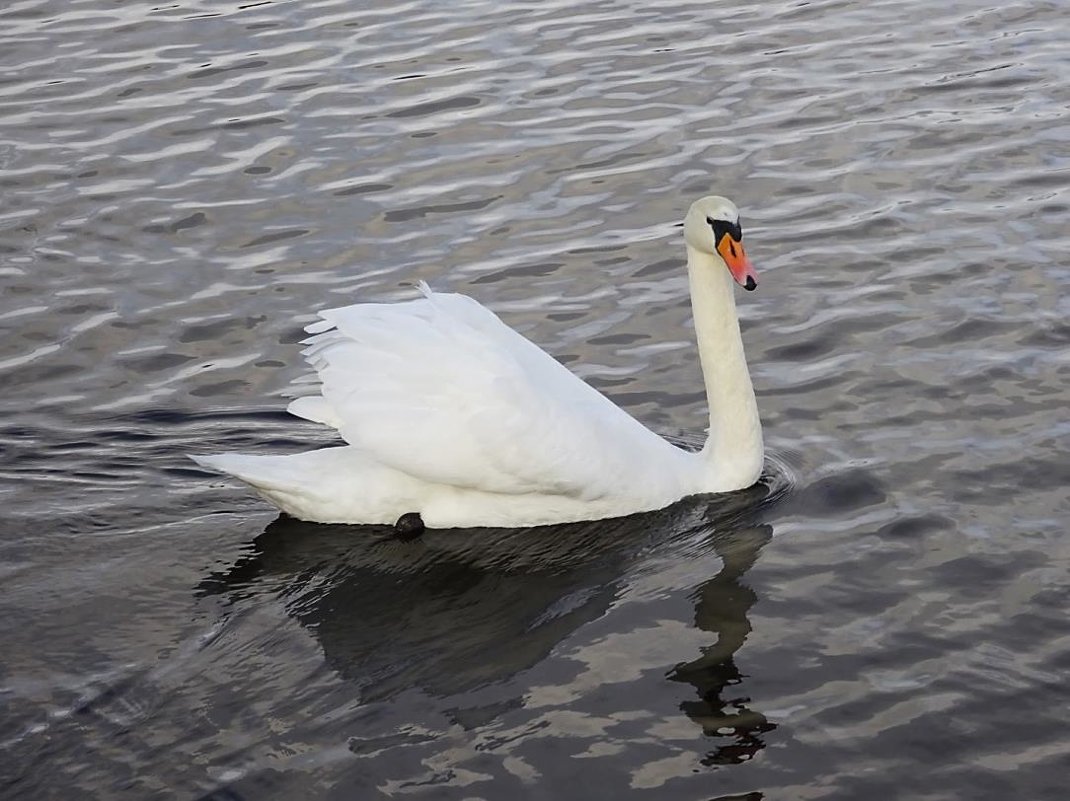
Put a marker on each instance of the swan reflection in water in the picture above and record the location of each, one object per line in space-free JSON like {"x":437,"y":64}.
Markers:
{"x":463,"y":609}
{"x":721,"y":609}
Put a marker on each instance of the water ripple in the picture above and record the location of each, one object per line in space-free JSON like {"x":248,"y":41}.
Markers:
{"x":184,"y":184}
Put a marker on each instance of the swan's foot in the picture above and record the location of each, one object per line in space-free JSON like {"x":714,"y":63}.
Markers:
{"x":409,"y":526}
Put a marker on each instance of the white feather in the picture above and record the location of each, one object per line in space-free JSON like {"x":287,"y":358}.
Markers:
{"x":440,"y":389}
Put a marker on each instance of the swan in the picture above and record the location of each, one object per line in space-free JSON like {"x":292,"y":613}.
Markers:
{"x":454,"y":419}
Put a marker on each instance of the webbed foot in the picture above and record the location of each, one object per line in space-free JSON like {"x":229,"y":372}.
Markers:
{"x":409,"y":526}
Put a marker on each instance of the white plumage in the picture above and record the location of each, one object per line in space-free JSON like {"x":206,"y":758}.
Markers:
{"x":448,"y":412}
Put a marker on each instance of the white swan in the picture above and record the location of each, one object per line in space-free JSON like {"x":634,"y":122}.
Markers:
{"x":451,"y":414}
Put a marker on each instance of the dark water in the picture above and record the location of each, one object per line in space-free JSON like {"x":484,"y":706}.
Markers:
{"x":185,"y":183}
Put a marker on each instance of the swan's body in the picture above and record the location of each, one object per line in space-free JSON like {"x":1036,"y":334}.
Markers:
{"x":450,"y":413}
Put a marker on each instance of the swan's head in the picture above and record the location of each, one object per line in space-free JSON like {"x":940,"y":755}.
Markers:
{"x":712,"y":226}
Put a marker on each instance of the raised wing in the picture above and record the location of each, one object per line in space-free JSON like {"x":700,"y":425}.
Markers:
{"x":442,"y":390}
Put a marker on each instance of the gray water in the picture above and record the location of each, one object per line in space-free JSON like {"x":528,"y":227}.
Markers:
{"x":185,"y":183}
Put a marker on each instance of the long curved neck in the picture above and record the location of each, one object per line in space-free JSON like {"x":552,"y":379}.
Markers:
{"x":733,"y":452}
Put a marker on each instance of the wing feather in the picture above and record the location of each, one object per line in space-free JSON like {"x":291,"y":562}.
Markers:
{"x":439,"y":388}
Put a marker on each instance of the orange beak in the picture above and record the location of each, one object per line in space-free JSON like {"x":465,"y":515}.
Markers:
{"x":738,"y":264}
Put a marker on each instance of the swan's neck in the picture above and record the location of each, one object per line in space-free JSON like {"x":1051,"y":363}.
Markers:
{"x":733,"y":452}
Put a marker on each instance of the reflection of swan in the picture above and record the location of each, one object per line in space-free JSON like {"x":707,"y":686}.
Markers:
{"x":449,"y":413}
{"x":723,"y":603}
{"x":450,"y":613}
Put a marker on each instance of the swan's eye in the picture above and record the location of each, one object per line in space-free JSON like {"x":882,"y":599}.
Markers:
{"x":721,"y":227}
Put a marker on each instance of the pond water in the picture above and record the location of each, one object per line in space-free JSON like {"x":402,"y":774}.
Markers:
{"x":185,"y":183}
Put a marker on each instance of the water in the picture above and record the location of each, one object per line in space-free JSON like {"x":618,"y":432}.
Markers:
{"x":185,"y":183}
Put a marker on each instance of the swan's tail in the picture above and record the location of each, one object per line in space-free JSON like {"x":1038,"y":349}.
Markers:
{"x":277,"y":479}
{"x":329,"y":485}
{"x":270,"y":473}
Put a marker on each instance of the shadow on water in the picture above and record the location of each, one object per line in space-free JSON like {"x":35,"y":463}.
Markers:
{"x":458,"y":610}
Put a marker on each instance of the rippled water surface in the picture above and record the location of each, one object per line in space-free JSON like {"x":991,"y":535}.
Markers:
{"x":185,"y":183}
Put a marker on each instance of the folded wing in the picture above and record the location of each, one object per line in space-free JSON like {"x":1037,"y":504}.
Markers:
{"x":439,"y":388}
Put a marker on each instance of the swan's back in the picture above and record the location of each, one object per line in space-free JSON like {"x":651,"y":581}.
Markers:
{"x":441,"y":390}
